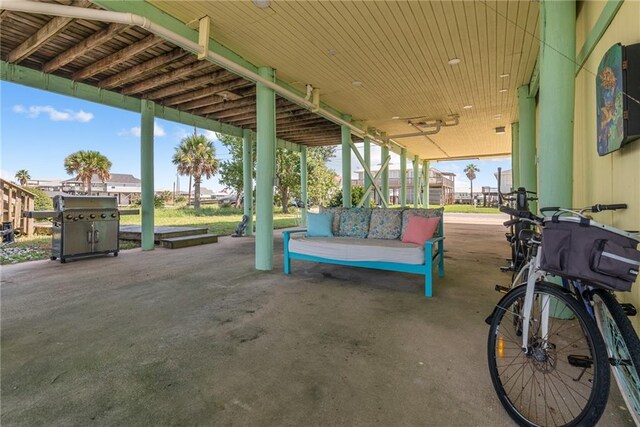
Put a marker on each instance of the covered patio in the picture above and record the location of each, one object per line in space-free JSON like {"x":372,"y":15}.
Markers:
{"x":200,"y":337}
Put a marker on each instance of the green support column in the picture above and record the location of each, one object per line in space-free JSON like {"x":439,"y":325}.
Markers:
{"x":367,"y":163}
{"x":515,"y":155}
{"x":303,"y":182}
{"x":556,"y":103}
{"x":527,"y":140}
{"x":265,"y":170}
{"x":385,"y":173}
{"x":403,"y":177}
{"x":425,"y":183}
{"x":346,"y":164}
{"x":247,"y":178}
{"x":147,"y":109}
{"x":416,"y":181}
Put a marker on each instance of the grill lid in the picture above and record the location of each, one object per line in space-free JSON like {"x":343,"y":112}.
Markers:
{"x":63,"y":202}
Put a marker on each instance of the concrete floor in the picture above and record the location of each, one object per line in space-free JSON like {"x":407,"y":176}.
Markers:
{"x":197,"y":336}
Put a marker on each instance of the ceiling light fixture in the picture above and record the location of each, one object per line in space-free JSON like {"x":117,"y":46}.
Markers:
{"x":504,"y":76}
{"x":468,"y":107}
{"x":497,"y":116}
{"x":395,"y":117}
{"x":502,"y":90}
{"x":332,"y":52}
{"x":262,"y":4}
{"x":500,"y":130}
{"x":454,"y":61}
{"x":356,"y":83}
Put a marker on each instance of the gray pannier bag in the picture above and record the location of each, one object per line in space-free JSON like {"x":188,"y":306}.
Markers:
{"x":582,"y":249}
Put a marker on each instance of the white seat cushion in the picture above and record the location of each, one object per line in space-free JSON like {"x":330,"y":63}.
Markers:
{"x":354,"y":249}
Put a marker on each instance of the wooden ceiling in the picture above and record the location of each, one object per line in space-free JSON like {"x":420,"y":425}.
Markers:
{"x":397,"y":50}
{"x":133,"y":62}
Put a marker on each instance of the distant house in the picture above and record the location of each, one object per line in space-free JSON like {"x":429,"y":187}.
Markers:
{"x":441,"y":186}
{"x":125,"y":187}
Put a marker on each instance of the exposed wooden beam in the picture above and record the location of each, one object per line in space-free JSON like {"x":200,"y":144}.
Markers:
{"x":117,"y":57}
{"x":4,"y":14}
{"x":141,"y":69}
{"x":219,"y":106}
{"x":87,"y":44}
{"x":301,"y":124}
{"x":308,"y":131}
{"x":218,"y":76}
{"x":204,"y":97}
{"x":165,"y":78}
{"x":43,"y":35}
{"x":226,"y":113}
{"x":289,"y":111}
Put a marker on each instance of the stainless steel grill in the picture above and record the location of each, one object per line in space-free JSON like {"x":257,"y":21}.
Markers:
{"x":83,"y":225}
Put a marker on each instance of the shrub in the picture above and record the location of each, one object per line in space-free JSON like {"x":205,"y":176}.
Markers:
{"x":42,"y":202}
{"x":357,"y":191}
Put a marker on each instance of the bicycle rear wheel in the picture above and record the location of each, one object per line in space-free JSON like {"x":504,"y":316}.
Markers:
{"x":563,"y":377}
{"x":623,"y":347}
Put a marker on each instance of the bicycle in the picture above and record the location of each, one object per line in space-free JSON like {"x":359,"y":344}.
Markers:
{"x":547,"y":358}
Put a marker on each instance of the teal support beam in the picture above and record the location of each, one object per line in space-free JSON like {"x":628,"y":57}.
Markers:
{"x":556,"y":103}
{"x":346,"y":164}
{"x":384,"y":177}
{"x":265,"y":170}
{"x":527,"y":140}
{"x":515,"y":155}
{"x":146,"y":166}
{"x":367,"y":164}
{"x":247,"y":178}
{"x":416,"y":181}
{"x":303,"y":182}
{"x":403,"y":177}
{"x":604,"y":20}
{"x":425,"y":183}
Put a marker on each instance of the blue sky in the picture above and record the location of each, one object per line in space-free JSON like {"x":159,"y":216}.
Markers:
{"x":38,"y":129}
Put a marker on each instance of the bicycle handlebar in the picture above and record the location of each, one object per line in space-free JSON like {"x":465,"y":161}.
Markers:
{"x":519,"y":214}
{"x":511,"y":222}
{"x":600,"y":208}
{"x":594,"y":208}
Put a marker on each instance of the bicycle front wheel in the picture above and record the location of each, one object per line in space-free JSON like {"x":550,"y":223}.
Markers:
{"x":561,"y":377}
{"x":623,"y":347}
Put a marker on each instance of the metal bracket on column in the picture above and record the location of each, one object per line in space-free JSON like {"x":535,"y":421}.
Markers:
{"x":315,"y":99}
{"x":367,"y":171}
{"x":203,"y":36}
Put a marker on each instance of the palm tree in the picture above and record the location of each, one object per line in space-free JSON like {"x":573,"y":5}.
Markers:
{"x":196,"y":157}
{"x":23,"y":176}
{"x":85,"y":164}
{"x":470,"y":170}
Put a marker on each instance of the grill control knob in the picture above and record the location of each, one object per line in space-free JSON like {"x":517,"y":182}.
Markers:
{"x":103,"y":215}
{"x":81,"y":216}
{"x":92,"y":216}
{"x":113,"y":215}
{"x":75,"y":218}
{"x":69,"y":217}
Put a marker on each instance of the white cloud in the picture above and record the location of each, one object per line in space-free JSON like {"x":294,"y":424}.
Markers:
{"x":67,"y":115}
{"x":136,"y":131}
{"x":211,"y":135}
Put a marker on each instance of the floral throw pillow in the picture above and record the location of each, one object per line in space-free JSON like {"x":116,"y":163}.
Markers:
{"x":355,"y":223}
{"x":425,"y":213}
{"x":385,"y":224}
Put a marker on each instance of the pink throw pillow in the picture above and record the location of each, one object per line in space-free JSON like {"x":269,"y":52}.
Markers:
{"x":420,"y":229}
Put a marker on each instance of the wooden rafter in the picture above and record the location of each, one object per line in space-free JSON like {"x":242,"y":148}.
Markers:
{"x":96,"y":39}
{"x":218,"y":76}
{"x":165,"y":78}
{"x":289,"y":111}
{"x":141,"y":69}
{"x":203,"y":97}
{"x":117,"y":57}
{"x":4,"y":14}
{"x":220,"y":106}
{"x":43,"y":35}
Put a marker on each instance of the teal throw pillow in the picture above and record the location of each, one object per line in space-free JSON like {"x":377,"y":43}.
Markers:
{"x":319,"y":225}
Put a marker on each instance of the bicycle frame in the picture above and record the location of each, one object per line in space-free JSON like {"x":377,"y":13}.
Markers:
{"x":535,"y":274}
